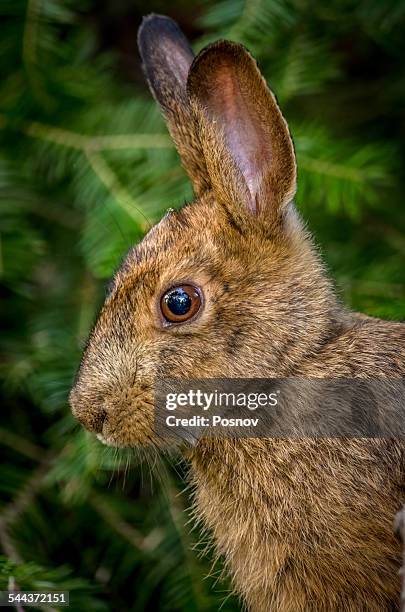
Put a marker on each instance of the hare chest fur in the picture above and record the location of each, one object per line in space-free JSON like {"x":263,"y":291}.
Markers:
{"x":233,"y":286}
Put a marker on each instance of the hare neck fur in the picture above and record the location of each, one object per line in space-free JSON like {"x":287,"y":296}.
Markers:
{"x":304,"y":525}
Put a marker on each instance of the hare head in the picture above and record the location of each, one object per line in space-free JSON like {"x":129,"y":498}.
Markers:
{"x":229,"y":286}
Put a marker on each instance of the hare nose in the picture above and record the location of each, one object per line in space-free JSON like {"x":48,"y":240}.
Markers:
{"x":90,"y":417}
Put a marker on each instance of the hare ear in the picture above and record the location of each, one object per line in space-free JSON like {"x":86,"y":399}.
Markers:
{"x":167,"y":57}
{"x":248,"y":149}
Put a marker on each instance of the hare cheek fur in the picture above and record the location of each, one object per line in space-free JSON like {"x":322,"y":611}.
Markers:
{"x":303,"y":525}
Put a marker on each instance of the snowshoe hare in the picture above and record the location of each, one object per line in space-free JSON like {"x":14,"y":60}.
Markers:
{"x":232,"y":286}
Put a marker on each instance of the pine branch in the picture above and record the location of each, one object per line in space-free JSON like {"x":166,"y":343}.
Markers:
{"x":21,"y":445}
{"x":81,"y":142}
{"x":120,"y":526}
{"x":12,"y":512}
{"x":118,"y":191}
{"x":84,"y":143}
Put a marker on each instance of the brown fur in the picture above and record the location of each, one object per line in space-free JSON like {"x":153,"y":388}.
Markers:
{"x":304,"y":525}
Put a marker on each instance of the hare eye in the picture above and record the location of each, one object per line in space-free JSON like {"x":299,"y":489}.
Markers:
{"x":180,"y":303}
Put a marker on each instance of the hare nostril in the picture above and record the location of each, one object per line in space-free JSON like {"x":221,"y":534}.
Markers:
{"x":92,"y":420}
{"x":98,"y":422}
{"x":88,"y":409}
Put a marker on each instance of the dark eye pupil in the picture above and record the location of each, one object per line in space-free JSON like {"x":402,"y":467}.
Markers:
{"x":178,"y":302}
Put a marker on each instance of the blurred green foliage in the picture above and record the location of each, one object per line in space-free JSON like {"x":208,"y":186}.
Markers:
{"x":85,"y":165}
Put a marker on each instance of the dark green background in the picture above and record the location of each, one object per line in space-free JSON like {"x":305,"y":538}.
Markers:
{"x":85,"y":161}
